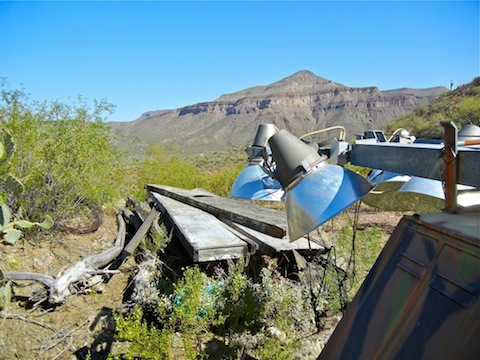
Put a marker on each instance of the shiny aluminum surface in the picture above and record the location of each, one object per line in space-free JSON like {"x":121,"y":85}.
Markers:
{"x":255,"y":184}
{"x":383,"y":194}
{"x":321,"y":195}
{"x":426,"y":195}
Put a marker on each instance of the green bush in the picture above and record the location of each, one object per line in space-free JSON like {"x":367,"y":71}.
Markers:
{"x":267,"y":319}
{"x":63,"y":155}
{"x":145,"y":340}
{"x":239,"y":302}
{"x":467,"y":111}
{"x":163,"y":167}
{"x":461,"y":105}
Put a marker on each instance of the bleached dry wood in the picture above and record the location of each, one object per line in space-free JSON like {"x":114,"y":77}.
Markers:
{"x":143,"y":281}
{"x":23,"y":318}
{"x":75,"y":278}
{"x":266,"y":220}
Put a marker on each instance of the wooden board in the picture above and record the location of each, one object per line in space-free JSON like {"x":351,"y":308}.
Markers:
{"x":202,"y":234}
{"x":268,"y":221}
{"x":271,"y":245}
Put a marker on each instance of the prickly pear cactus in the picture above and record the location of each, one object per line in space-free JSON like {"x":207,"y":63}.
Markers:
{"x":9,"y":231}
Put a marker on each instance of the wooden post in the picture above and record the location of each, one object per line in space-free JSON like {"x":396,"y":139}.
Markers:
{"x":450,"y":158}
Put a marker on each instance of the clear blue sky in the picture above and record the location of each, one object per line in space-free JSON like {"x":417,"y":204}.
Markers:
{"x":162,"y":55}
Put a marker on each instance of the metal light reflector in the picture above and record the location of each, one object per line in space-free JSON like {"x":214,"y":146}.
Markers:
{"x":426,"y":195}
{"x":386,"y":184}
{"x":254,"y":182}
{"x":316,"y":191}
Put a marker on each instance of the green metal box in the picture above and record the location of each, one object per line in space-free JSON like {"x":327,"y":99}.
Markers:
{"x":421,"y":298}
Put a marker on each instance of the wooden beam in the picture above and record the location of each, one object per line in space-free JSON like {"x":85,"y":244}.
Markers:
{"x":202,"y":234}
{"x":266,"y":220}
{"x":271,"y":245}
{"x":141,"y":232}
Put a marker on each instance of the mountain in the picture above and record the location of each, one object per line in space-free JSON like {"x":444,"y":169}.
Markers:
{"x":461,"y":105}
{"x":300,"y":103}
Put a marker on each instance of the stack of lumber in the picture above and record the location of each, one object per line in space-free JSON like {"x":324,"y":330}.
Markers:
{"x":213,"y":228}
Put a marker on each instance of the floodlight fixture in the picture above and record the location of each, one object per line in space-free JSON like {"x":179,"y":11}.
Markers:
{"x":469,"y":135}
{"x":315,"y":191}
{"x":255,"y":182}
{"x":424,"y":195}
{"x":256,"y":152}
{"x":386,"y":184}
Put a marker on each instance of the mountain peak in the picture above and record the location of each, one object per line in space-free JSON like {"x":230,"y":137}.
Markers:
{"x":301,"y":103}
{"x":301,"y":81}
{"x":304,"y":75}
{"x":305,"y":80}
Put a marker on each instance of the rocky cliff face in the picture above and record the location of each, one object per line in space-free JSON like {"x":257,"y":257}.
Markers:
{"x":300,"y":103}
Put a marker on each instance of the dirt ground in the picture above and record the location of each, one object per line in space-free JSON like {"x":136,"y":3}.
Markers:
{"x":84,"y":325}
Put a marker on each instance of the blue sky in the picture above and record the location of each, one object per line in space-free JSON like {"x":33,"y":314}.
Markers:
{"x":153,"y":55}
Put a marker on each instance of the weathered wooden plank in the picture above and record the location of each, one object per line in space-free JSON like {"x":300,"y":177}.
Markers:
{"x":266,"y":220}
{"x":141,"y":210}
{"x":142,"y":231}
{"x":272,"y":245}
{"x":202,"y":234}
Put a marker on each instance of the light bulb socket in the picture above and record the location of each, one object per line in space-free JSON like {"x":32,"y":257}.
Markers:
{"x":292,"y":156}
{"x":264,"y":132}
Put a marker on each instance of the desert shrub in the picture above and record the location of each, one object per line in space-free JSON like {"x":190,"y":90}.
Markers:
{"x":239,"y":303}
{"x":165,"y":167}
{"x":267,"y":319}
{"x":460,"y":105}
{"x":189,"y":309}
{"x":220,"y":181}
{"x":195,"y":303}
{"x":145,"y":340}
{"x":63,"y":155}
{"x":467,"y":111}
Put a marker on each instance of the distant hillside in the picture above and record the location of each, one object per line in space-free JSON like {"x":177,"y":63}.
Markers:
{"x":300,"y":103}
{"x":461,"y":105}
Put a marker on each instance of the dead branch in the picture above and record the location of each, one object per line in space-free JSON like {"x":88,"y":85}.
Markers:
{"x":41,"y":278}
{"x":58,"y":338}
{"x":96,"y":219}
{"x":143,"y":288}
{"x":75,"y":278}
{"x":81,"y":271}
{"x":22,"y":318}
{"x":91,"y":270}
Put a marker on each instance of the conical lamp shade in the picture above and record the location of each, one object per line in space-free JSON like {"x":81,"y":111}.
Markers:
{"x":422,"y":195}
{"x":386,"y":184}
{"x":321,"y":195}
{"x":426,"y":195}
{"x":255,"y":184}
